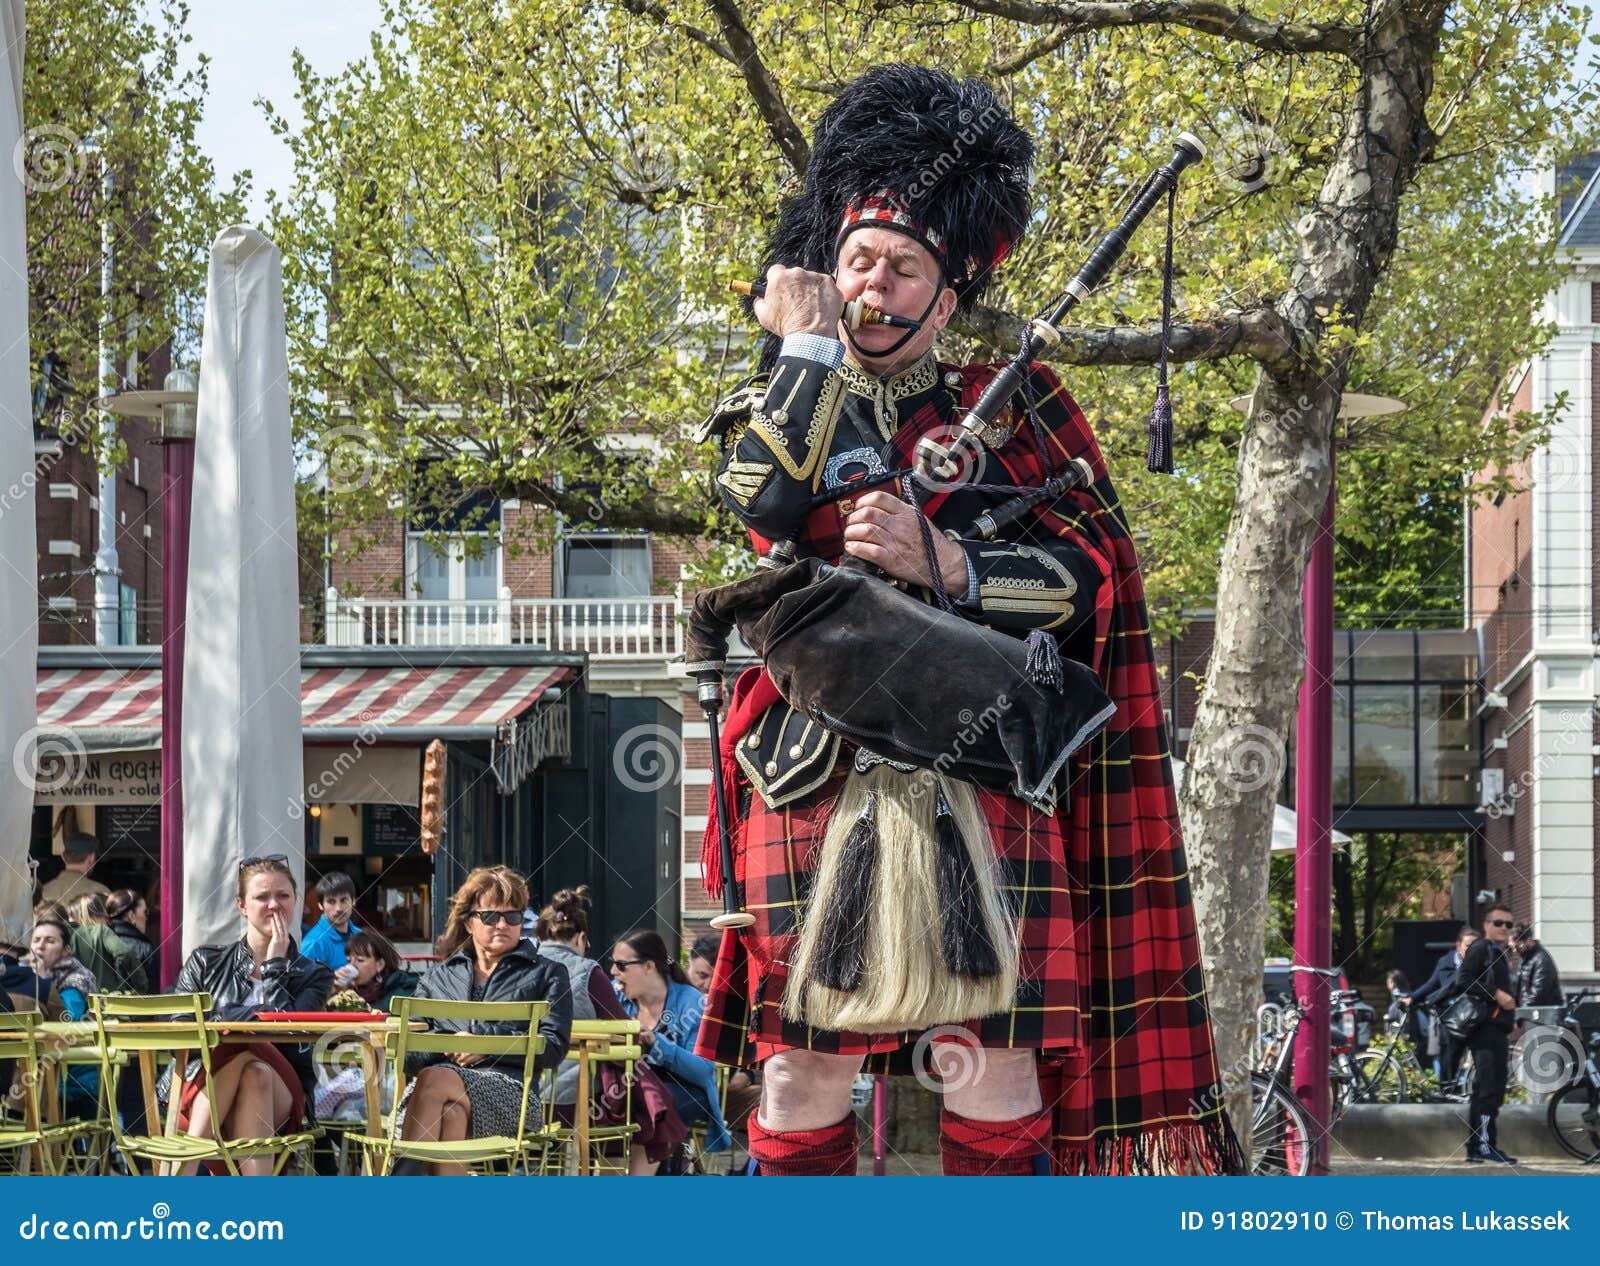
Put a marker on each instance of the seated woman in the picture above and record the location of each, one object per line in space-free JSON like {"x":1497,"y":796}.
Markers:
{"x":261,"y":1089}
{"x":563,"y":932}
{"x":486,"y":959}
{"x":55,"y":969}
{"x":379,"y":974}
{"x":61,"y":981}
{"x":668,"y":1008}
{"x":378,"y":977}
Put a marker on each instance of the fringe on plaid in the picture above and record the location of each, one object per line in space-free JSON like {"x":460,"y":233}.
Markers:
{"x":1178,"y":1147}
{"x":994,"y":1148}
{"x":829,"y":1152}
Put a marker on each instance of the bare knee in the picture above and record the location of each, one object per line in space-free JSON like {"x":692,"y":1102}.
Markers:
{"x":987,"y":1085}
{"x":439,"y":1085}
{"x":806,"y":1090}
{"x":256,"y":1079}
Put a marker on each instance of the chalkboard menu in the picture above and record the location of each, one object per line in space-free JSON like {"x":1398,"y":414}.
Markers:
{"x":391,"y":829}
{"x":132,"y":830}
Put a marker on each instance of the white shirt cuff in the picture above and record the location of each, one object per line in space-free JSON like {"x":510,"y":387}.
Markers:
{"x":826,"y":351}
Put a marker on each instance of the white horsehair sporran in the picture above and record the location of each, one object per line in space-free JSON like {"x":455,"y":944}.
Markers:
{"x":906,"y":926}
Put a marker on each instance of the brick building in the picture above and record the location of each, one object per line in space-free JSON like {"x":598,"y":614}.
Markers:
{"x":1533,"y":575}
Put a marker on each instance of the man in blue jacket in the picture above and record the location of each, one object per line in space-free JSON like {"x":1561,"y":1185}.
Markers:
{"x":325,"y":940}
{"x":1444,"y":972}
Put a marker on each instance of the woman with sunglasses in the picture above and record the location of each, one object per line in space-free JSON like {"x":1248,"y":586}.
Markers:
{"x":656,"y":992}
{"x":261,"y":1089}
{"x":486,"y":959}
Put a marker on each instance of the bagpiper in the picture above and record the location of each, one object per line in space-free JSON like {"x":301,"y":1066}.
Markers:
{"x":1017,"y":930}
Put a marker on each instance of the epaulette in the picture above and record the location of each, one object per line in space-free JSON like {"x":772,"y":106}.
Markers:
{"x":737,"y":404}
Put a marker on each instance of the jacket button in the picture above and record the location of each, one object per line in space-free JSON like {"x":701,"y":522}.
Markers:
{"x":952,"y":379}
{"x":753,"y":741}
{"x":772,"y":768}
{"x":796,"y":752}
{"x":780,"y":417}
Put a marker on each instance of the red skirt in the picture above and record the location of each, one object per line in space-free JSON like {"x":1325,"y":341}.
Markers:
{"x":774,"y":852}
{"x":224,"y":1055}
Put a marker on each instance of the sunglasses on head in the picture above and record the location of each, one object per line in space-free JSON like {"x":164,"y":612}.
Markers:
{"x":491,"y":917}
{"x":1501,"y":923}
{"x":265,"y":857}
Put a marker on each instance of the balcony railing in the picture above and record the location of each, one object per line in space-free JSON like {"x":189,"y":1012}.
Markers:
{"x":638,"y":629}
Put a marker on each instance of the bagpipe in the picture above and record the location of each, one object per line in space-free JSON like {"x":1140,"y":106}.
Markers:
{"x":906,"y":926}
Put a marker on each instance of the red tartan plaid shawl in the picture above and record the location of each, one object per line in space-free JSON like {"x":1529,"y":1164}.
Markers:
{"x":1143,"y":1094}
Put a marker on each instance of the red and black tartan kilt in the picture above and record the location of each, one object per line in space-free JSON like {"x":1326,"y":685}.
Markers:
{"x":774,"y":851}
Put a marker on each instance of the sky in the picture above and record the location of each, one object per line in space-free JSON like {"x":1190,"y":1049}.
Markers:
{"x":251,"y":45}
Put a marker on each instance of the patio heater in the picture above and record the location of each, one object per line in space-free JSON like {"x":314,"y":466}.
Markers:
{"x":1313,"y":801}
{"x":173,"y":411}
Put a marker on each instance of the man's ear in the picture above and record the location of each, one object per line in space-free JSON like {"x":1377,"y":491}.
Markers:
{"x":944,"y":308}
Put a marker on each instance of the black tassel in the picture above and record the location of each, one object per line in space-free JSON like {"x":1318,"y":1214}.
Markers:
{"x":1158,"y":457}
{"x":842,"y":937}
{"x":964,"y":939}
{"x":1044,"y":660}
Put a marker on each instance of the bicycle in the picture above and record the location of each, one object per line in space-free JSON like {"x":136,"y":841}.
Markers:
{"x":1281,"y":1134}
{"x":1574,"y":1111}
{"x":1392,"y":1072}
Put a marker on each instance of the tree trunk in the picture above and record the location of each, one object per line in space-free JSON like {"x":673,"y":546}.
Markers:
{"x":1236,"y":752}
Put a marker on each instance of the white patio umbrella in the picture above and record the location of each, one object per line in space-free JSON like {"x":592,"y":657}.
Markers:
{"x":19,"y":560}
{"x":1283,"y":821}
{"x":242,"y":769}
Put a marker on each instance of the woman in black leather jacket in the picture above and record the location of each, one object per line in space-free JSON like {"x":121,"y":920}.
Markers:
{"x":486,"y":960}
{"x":261,"y":1089}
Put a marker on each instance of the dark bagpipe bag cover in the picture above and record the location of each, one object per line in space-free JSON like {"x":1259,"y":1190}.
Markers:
{"x":905,"y":679}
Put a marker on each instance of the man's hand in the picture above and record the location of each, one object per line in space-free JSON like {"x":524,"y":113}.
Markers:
{"x":883,"y":529}
{"x":1504,"y":1001}
{"x":800,"y":302}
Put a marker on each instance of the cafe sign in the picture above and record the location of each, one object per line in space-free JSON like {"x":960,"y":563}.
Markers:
{"x":76,"y":777}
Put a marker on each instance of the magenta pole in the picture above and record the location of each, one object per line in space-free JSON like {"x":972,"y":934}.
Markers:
{"x":1313,"y":853}
{"x":177,"y":489}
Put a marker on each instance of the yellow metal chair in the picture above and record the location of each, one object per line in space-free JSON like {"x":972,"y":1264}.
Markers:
{"x":175,"y":1025}
{"x":595,"y":1043}
{"x":492,"y":1154}
{"x":26,"y":1136}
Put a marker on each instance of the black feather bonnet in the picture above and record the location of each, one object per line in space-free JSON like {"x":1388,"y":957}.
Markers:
{"x":918,"y":151}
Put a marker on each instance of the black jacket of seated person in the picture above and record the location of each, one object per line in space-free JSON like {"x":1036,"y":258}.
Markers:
{"x":520,"y":976}
{"x":291,"y":983}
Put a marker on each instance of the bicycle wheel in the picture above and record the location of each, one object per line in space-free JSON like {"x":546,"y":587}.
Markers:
{"x":1379,"y":1079}
{"x":1280,"y":1134}
{"x":1574,"y":1117}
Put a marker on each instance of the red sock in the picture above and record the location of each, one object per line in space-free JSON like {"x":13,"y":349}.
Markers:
{"x":993,"y":1148}
{"x":829,"y":1152}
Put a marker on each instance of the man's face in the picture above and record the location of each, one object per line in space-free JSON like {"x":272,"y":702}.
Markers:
{"x":892,"y":273}
{"x":700,"y":973}
{"x":1464,"y":943}
{"x":1497,"y":925}
{"x":338,"y":909}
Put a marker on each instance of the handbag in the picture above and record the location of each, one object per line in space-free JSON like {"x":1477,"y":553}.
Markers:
{"x":1464,"y":1016}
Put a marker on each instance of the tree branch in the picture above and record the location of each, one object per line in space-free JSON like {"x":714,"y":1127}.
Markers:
{"x":1025,"y":57}
{"x":763,"y":87}
{"x":1210,"y":17}
{"x":657,"y":12}
{"x":1259,"y":333}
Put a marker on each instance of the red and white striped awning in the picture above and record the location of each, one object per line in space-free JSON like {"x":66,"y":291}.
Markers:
{"x":335,"y":703}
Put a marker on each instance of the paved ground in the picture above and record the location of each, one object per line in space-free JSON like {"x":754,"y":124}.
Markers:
{"x":919,"y":1164}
